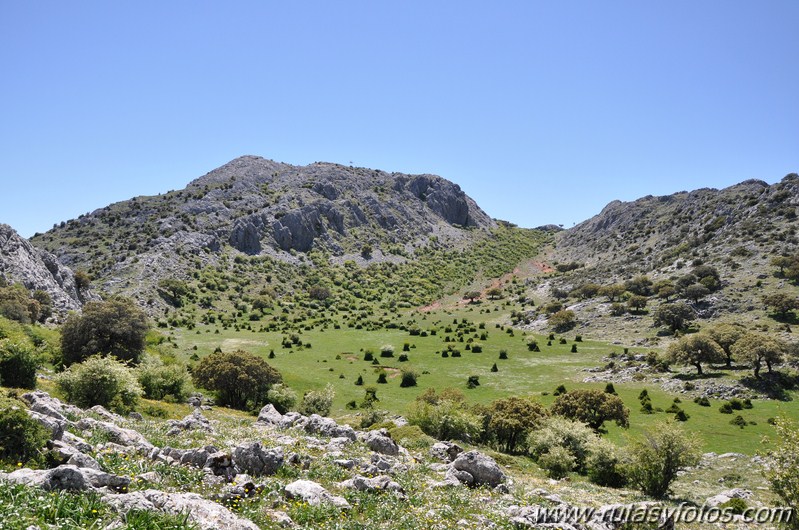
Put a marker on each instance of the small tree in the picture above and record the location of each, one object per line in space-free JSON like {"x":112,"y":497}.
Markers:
{"x":675,"y":315}
{"x":755,"y":349}
{"x":173,"y":290}
{"x":494,"y":293}
{"x":100,"y":381}
{"x":612,"y":292}
{"x":696,"y":292}
{"x":695,"y":350}
{"x":592,"y":407}
{"x":563,"y":320}
{"x":239,"y":378}
{"x":512,"y":419}
{"x":116,"y":327}
{"x":471,"y":296}
{"x":781,"y":303}
{"x":659,"y":457}
{"x":725,"y":336}
{"x":282,"y":397}
{"x":637,"y":302}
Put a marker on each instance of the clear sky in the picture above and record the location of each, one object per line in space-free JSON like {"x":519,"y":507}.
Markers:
{"x":541,"y":111}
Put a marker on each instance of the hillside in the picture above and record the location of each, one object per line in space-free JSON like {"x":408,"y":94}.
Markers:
{"x":22,"y":263}
{"x":253,"y":207}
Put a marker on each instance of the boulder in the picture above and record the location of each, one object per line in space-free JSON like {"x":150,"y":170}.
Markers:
{"x":118,"y":435}
{"x":205,"y":514}
{"x":253,"y":459}
{"x":313,"y":494}
{"x":724,"y":496}
{"x":483,"y":468}
{"x":193,"y":422}
{"x":378,"y":483}
{"x":445,"y":451}
{"x":54,"y":426}
{"x":269,"y":416}
{"x":380,"y":441}
{"x":317,"y":424}
{"x":67,"y":477}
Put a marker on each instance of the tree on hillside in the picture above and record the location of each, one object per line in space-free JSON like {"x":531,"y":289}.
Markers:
{"x":783,"y":262}
{"x":781,"y":303}
{"x":471,"y":296}
{"x":695,"y":350}
{"x":511,"y":419}
{"x":494,"y":293}
{"x":640,"y":285}
{"x":664,"y":289}
{"x":173,"y":290}
{"x":755,"y":349}
{"x":696,"y":292}
{"x":612,"y":291}
{"x":725,"y":336}
{"x":562,"y":320}
{"x":240,"y":379}
{"x":115,"y":327}
{"x":637,"y":302}
{"x":592,"y":407}
{"x":675,"y":315}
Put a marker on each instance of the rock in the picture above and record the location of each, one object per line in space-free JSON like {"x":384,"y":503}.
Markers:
{"x":41,"y":402}
{"x":55,"y":426}
{"x":67,"y":477}
{"x":445,"y":451}
{"x":482,"y":467}
{"x":195,"y":401}
{"x":380,"y":441}
{"x":197,"y":457}
{"x":220,"y":463}
{"x":251,"y":458}
{"x":83,"y":461}
{"x":76,"y":441}
{"x":378,"y":483}
{"x":313,"y":494}
{"x":207,"y":515}
{"x":269,"y":416}
{"x":135,"y":416}
{"x":106,"y":414}
{"x":724,"y":496}
{"x":193,"y":422}
{"x":317,"y":424}
{"x":280,"y":518}
{"x":116,"y":434}
{"x":456,"y":475}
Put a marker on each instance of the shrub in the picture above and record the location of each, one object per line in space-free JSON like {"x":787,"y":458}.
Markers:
{"x":557,"y":463}
{"x":725,"y":408}
{"x":532,"y":345}
{"x":240,"y":379}
{"x":445,"y":416}
{"x":100,"y":381}
{"x":403,"y":358}
{"x":387,"y":351}
{"x":610,"y":389}
{"x":783,"y":469}
{"x":681,"y":416}
{"x":561,"y":389}
{"x":381,"y":378}
{"x":659,"y":457}
{"x":368,"y":355}
{"x":408,"y":378}
{"x":592,"y":407}
{"x":159,"y":381}
{"x":359,"y":381}
{"x":477,"y":348}
{"x":739,"y":421}
{"x":318,"y":401}
{"x":21,"y":437}
{"x":282,"y":397}
{"x":115,"y":327}
{"x":702,"y":401}
{"x":503,"y":355}
{"x":561,"y":432}
{"x":574,"y":348}
{"x":735,"y":505}
{"x":563,"y":320}
{"x":603,"y":463}
{"x":494,"y":368}
{"x":473,"y":381}
{"x":18,"y":364}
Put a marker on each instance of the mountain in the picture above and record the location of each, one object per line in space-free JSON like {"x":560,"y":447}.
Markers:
{"x":22,"y":263}
{"x":253,"y":207}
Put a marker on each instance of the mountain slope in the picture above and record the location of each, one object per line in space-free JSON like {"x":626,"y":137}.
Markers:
{"x":22,"y":263}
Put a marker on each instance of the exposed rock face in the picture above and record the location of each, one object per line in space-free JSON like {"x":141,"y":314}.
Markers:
{"x":206,"y":514}
{"x":36,"y":269}
{"x":262,"y":207}
{"x":380,"y":442}
{"x":66,"y":477}
{"x":253,"y":459}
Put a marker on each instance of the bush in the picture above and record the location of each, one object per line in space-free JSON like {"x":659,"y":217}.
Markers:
{"x":555,"y":432}
{"x":240,"y":379}
{"x":359,"y":381}
{"x":21,"y":437}
{"x":445,"y":416}
{"x":477,"y":348}
{"x":403,"y":358}
{"x":18,"y":364}
{"x":659,"y":457}
{"x":282,"y":397}
{"x":702,"y":401}
{"x":159,"y":381}
{"x":603,"y":463}
{"x":100,"y":381}
{"x":503,"y":355}
{"x":408,"y":378}
{"x":116,"y":327}
{"x":563,"y":320}
{"x":318,"y":401}
{"x":557,"y":463}
{"x":783,"y":469}
{"x":735,"y":505}
{"x":381,"y":378}
{"x":387,"y":351}
{"x":738,"y":421}
{"x":725,"y":408}
{"x":473,"y":381}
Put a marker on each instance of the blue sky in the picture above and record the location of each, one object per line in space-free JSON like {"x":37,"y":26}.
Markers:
{"x":541,"y":111}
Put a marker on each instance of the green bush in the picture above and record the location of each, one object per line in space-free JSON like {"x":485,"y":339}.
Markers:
{"x":160,"y":381}
{"x":387,"y":350}
{"x":659,"y":457}
{"x":100,"y":381}
{"x":282,"y":397}
{"x":21,"y":437}
{"x":240,"y":379}
{"x":604,"y":464}
{"x":783,"y":470}
{"x":572,"y":436}
{"x":318,"y":401}
{"x":18,"y":364}
{"x":445,"y":416}
{"x":408,"y":378}
{"x":737,"y":506}
{"x":593,"y":407}
{"x":558,"y":462}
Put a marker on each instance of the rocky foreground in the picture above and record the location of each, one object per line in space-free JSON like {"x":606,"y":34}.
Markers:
{"x":276,"y":457}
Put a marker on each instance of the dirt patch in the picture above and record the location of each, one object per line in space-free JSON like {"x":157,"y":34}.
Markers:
{"x":543,"y":267}
{"x":392,"y":373}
